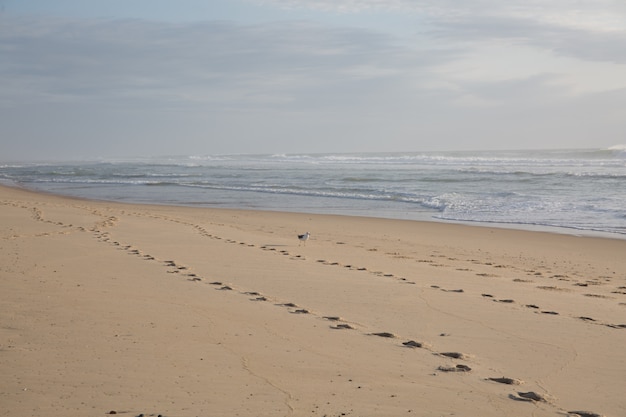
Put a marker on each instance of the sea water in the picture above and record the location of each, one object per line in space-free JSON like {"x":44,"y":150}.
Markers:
{"x":571,"y":190}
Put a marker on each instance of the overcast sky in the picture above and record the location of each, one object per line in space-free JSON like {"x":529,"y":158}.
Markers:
{"x":88,"y":79}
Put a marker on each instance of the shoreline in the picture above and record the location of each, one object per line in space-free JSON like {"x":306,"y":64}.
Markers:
{"x":562,"y":230}
{"x":187,"y":311}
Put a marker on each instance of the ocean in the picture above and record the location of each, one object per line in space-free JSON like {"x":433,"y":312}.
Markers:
{"x":572,"y":191}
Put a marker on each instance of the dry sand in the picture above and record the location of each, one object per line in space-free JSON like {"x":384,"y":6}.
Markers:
{"x":132,"y":309}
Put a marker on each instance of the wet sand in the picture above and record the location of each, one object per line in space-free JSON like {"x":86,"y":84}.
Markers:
{"x":109,"y":308}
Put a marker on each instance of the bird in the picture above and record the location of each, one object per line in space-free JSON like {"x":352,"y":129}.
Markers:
{"x":304,"y":237}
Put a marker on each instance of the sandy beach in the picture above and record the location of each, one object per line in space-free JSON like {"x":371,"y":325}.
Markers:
{"x":109,"y":308}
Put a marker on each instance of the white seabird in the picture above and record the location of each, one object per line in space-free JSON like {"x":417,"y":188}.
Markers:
{"x":304,"y":237}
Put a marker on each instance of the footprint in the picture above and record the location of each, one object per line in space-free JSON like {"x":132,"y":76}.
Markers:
{"x":332,"y":318}
{"x":258,"y":296}
{"x":457,"y":368}
{"x":585,"y":414}
{"x":341,"y":326}
{"x":413,"y":344}
{"x":288,"y":305}
{"x":530,"y":396}
{"x":550,"y":288}
{"x":454,"y":355}
{"x":554,"y":313}
{"x":384,"y":334}
{"x":508,"y":381}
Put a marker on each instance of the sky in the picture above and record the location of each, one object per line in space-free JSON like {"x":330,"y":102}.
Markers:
{"x":84,"y":79}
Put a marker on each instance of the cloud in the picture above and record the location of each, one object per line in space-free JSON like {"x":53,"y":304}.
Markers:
{"x":589,"y":29}
{"x":607,"y":46}
{"x":228,"y":65}
{"x":601,"y":15}
{"x":307,"y":85}
{"x":212,"y":63}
